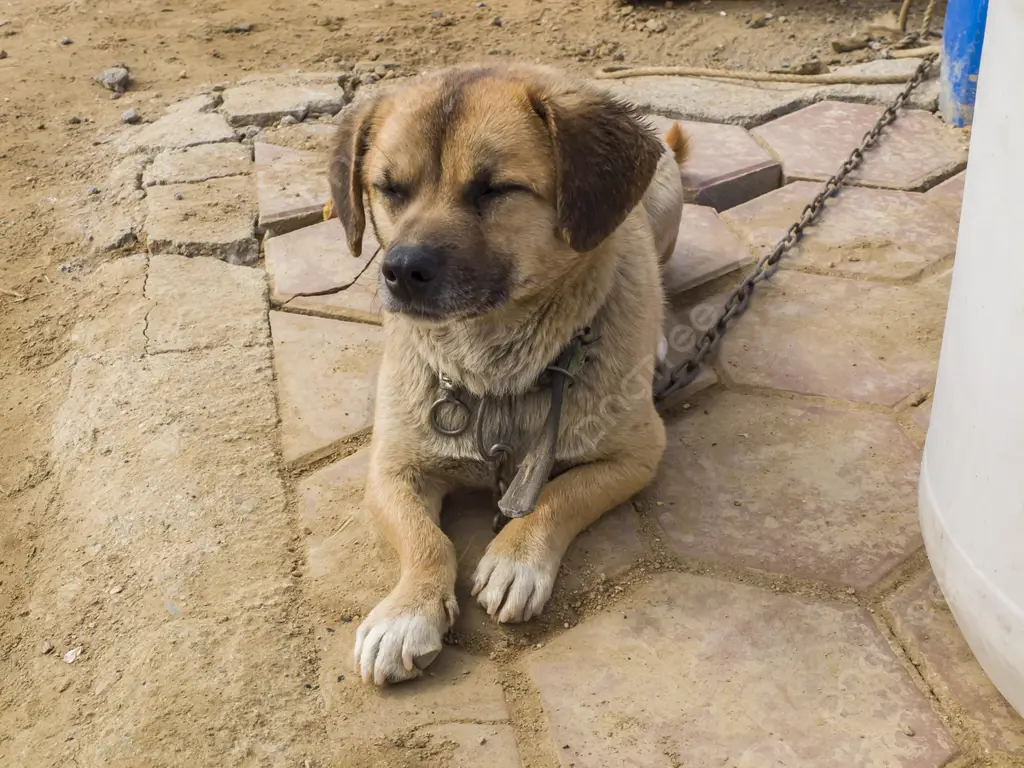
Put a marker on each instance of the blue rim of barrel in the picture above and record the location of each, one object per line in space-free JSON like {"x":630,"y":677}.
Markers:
{"x":962,"y":37}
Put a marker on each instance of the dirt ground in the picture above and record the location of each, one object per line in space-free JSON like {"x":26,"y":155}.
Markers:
{"x":53,"y":114}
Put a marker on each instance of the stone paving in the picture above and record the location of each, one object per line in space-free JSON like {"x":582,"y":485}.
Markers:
{"x":767,"y":600}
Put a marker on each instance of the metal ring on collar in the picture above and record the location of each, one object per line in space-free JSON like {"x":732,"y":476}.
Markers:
{"x":450,"y":399}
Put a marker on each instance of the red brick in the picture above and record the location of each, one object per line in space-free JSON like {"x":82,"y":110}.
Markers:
{"x":913,"y":153}
{"x":702,"y":672}
{"x":875,"y":233}
{"x":796,"y":489}
{"x":726,"y":166}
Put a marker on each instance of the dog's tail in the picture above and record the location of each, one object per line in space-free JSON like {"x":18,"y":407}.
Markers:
{"x":679,"y":142}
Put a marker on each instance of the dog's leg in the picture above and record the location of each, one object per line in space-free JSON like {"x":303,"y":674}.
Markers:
{"x":517,"y":573}
{"x":402,"y":635}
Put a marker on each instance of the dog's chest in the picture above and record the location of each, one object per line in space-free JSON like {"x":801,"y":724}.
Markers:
{"x":516,"y":422}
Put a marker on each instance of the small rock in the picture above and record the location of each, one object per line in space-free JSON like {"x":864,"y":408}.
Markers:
{"x":47,"y":647}
{"x":93,"y":190}
{"x":115,"y":79}
{"x":496,"y":21}
{"x":480,"y":5}
{"x":178,"y":196}
{"x":851,"y":591}
{"x":656,"y":26}
{"x":66,"y":41}
{"x":75,"y":120}
{"x":240,"y":29}
{"x":130,"y":116}
{"x":215,"y":53}
{"x":758,"y":21}
{"x":907,"y":730}
{"x":72,"y":656}
{"x":116,"y":590}
{"x":846,"y":45}
{"x":288,"y":120}
{"x":3,"y":53}
{"x":482,"y":740}
{"x":436,"y":14}
{"x":250,"y":131}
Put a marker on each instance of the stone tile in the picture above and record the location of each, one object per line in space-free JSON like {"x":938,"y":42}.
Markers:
{"x":846,"y":339}
{"x":186,"y":124}
{"x":291,"y":186}
{"x":266,"y":100}
{"x":725,"y":166}
{"x":607,"y":549}
{"x":925,"y":625}
{"x":782,"y":486}
{"x":953,"y":187}
{"x":708,"y":101}
{"x":922,"y":414}
{"x":213,"y":218}
{"x":915,"y":152}
{"x":204,"y":303}
{"x":201,"y":163}
{"x":317,"y":258}
{"x":681,"y":338}
{"x":875,"y":233}
{"x":705,"y":249}
{"x":925,"y":96}
{"x":327,"y":381}
{"x":706,"y":673}
{"x":349,"y":568}
{"x":308,"y":136}
{"x":358,"y":302}
{"x":478,"y":745}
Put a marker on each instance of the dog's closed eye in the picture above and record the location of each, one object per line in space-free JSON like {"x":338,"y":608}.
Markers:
{"x":483,"y":191}
{"x":394,"y":193}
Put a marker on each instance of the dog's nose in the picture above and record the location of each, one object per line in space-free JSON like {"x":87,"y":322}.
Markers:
{"x":409,"y":270}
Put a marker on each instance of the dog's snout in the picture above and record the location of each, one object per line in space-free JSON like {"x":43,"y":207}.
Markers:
{"x":409,"y":270}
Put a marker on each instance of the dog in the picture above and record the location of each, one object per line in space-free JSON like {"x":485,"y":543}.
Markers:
{"x":514,"y":206}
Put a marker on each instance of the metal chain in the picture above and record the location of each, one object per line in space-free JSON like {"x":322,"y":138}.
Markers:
{"x":683,"y":374}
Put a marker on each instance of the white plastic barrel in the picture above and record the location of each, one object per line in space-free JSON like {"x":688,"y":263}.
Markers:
{"x":971,"y":490}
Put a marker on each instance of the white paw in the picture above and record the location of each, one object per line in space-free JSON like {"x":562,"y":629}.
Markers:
{"x":395,"y":644}
{"x":513,"y":590}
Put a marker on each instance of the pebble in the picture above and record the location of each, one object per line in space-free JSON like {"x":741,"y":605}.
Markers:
{"x":74,"y":120}
{"x":3,"y":54}
{"x":178,"y":196}
{"x":482,"y":740}
{"x":115,"y":78}
{"x":47,"y":647}
{"x":288,"y":120}
{"x":656,"y":25}
{"x":66,"y":41}
{"x":116,"y":590}
{"x":907,"y":729}
{"x":72,"y":656}
{"x":93,"y":190}
{"x":758,"y":21}
{"x":240,"y":29}
{"x":496,"y":21}
{"x":130,"y":116}
{"x":251,"y":131}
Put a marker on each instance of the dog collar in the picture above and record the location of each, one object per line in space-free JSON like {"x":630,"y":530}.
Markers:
{"x":517,"y":494}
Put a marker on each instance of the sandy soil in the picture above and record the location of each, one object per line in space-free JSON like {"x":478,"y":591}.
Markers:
{"x":52,"y":115}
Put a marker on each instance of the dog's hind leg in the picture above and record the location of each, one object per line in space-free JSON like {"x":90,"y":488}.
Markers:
{"x":517,"y":573}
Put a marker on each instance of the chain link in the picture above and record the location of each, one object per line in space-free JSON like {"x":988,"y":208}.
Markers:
{"x":683,"y":374}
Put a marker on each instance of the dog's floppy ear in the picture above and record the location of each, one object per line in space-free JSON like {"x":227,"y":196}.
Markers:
{"x":345,"y":172}
{"x":605,"y":158}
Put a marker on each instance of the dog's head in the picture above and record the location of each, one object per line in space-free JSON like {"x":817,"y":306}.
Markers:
{"x":487,"y":185}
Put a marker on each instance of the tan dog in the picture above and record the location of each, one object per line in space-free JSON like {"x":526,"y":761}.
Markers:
{"x":507,"y":201}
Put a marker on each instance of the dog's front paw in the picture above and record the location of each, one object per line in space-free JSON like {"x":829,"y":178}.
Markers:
{"x":514,"y":584}
{"x":402,"y":636}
